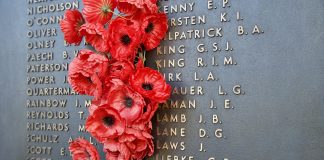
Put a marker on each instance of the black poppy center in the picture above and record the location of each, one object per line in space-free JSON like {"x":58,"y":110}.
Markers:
{"x":145,"y":109}
{"x":125,"y":39}
{"x":147,"y":86}
{"x":149,"y":28}
{"x":89,"y":79}
{"x":119,"y":68}
{"x":105,"y":9}
{"x":129,"y":102}
{"x":80,"y":23}
{"x":109,"y":121}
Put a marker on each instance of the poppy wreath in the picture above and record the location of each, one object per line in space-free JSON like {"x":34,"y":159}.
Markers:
{"x":125,"y":93}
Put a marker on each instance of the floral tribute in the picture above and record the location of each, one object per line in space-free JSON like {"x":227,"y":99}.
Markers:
{"x":125,"y":93}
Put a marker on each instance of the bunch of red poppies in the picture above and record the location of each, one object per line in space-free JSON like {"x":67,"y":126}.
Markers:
{"x":126,"y":94}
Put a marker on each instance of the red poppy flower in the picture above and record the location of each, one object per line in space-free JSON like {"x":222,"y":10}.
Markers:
{"x":144,"y":147}
{"x":70,"y":26}
{"x":131,"y":6}
{"x":121,"y":70}
{"x":96,"y":35}
{"x":143,"y":126}
{"x":127,"y":8}
{"x":94,"y":106}
{"x":150,"y":84}
{"x":124,"y":38}
{"x":116,"y":150}
{"x":133,"y":144}
{"x":148,"y":112}
{"x":82,"y":149}
{"x":86,"y":73}
{"x":154,"y":28}
{"x":139,"y":142}
{"x":128,"y":103}
{"x":105,"y":122}
{"x":98,"y":11}
{"x":109,"y":84}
